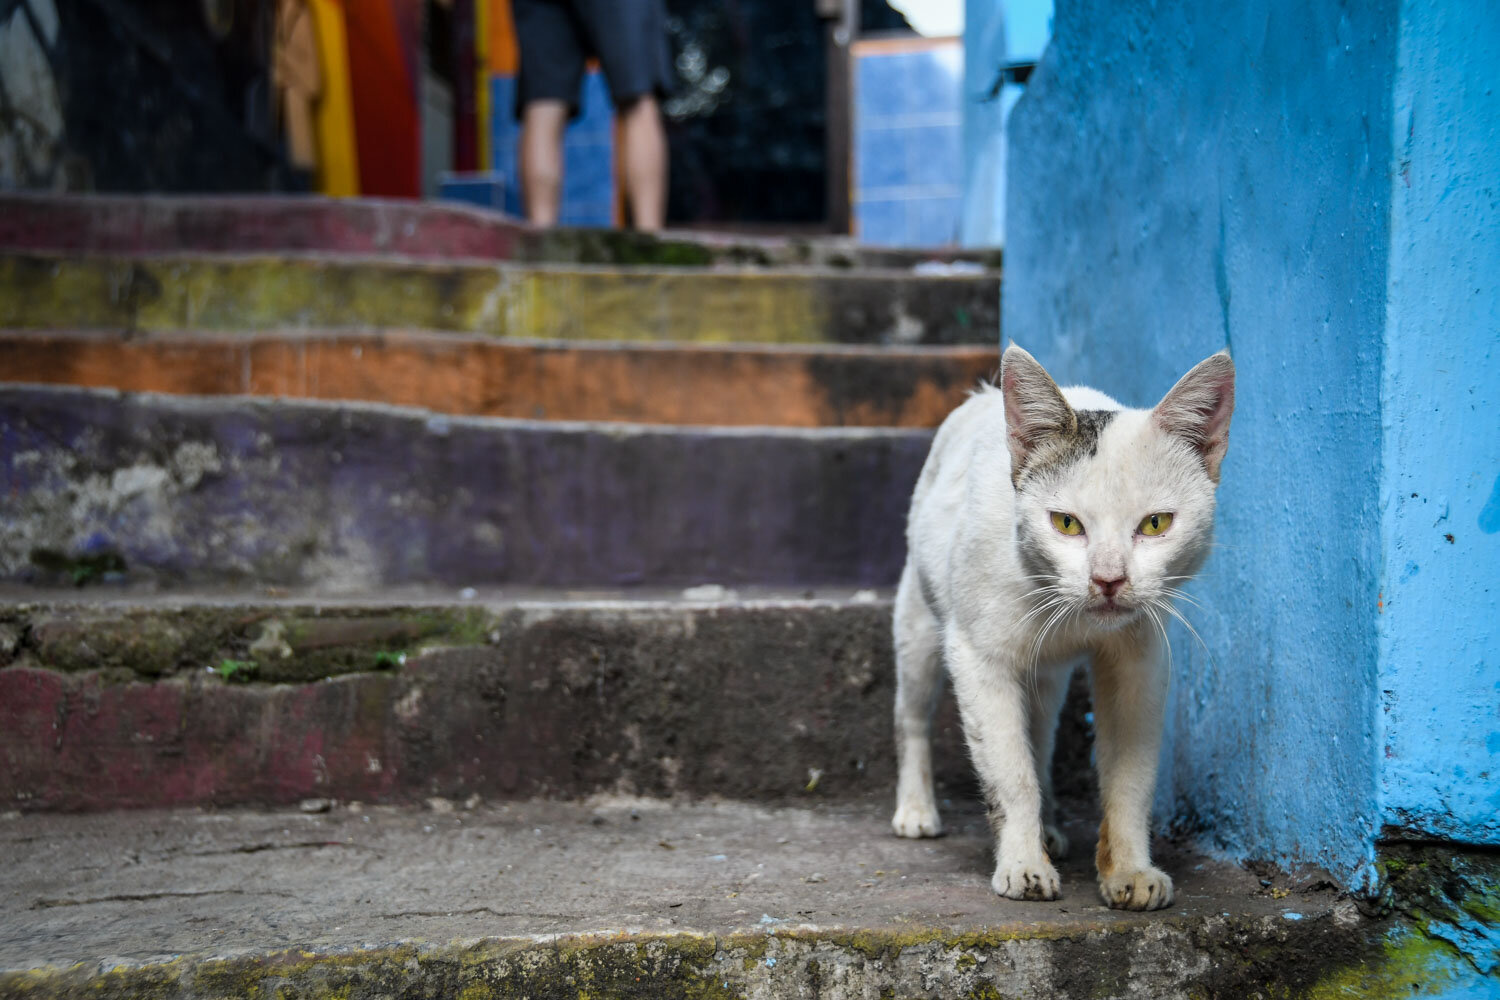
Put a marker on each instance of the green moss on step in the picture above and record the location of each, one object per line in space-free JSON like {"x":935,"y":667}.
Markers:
{"x":985,"y":991}
{"x":78,"y":570}
{"x":1410,"y":964}
{"x":237,"y":670}
{"x":281,"y":644}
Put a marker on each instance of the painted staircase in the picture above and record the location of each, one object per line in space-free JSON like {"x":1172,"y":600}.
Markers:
{"x":399,"y":601}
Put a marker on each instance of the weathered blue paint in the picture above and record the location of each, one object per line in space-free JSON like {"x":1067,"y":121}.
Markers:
{"x":996,"y":33}
{"x":1439,"y":677}
{"x":1187,"y":176}
{"x":1489,"y":517}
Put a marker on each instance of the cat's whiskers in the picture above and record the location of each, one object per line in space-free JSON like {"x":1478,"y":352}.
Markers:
{"x":1040,"y":608}
{"x":1182,"y":595}
{"x":1051,"y":605}
{"x":1063,"y":610}
{"x":1058,"y":608}
{"x":1052,"y":594}
{"x":1050,"y":588}
{"x":1176,"y":593}
{"x":1166,"y":641}
{"x":1168,"y":607}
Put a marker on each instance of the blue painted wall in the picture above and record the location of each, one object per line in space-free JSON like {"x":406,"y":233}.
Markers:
{"x":1317,"y":186}
{"x":1185,"y":176}
{"x":1439,"y":662}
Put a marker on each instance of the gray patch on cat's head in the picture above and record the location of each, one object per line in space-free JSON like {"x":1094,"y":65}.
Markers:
{"x":1063,"y":448}
{"x":1052,"y":456}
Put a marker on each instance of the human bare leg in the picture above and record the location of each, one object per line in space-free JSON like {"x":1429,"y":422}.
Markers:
{"x":542,"y":124}
{"x":643,"y":141}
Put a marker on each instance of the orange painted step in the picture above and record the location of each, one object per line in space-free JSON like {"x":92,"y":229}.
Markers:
{"x":786,"y":386}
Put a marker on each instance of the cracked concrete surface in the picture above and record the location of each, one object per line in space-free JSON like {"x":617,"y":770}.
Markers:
{"x":148,"y":886}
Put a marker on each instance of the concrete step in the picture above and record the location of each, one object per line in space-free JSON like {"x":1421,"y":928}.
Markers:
{"x":228,"y":489}
{"x":481,"y":376}
{"x":160,"y":700}
{"x":133,"y":224}
{"x":636,"y":899}
{"x":246,"y":293}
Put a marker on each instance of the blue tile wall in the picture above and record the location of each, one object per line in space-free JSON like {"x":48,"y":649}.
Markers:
{"x":880,"y":159}
{"x":588,"y":152}
{"x":883,"y":222}
{"x":935,"y":221}
{"x":908,"y":145}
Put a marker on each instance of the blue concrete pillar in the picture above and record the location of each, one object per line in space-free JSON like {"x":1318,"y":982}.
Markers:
{"x":1312,"y":184}
{"x":1439,"y":665}
{"x":997,"y":33}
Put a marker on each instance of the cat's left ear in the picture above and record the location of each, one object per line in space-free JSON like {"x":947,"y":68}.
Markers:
{"x":1199,"y":407}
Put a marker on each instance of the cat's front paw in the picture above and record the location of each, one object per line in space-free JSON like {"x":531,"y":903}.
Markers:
{"x":916,"y":821}
{"x":1146,"y":889}
{"x":1034,"y":880}
{"x":1055,"y":841}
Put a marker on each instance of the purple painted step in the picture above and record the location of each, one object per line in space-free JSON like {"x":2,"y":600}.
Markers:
{"x":247,"y":224}
{"x":153,"y":224}
{"x":164,"y":489}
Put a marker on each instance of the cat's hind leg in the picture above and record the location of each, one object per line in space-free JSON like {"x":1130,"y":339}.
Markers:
{"x":919,"y":681}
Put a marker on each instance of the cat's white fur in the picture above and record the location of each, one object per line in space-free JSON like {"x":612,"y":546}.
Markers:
{"x":1010,"y":604}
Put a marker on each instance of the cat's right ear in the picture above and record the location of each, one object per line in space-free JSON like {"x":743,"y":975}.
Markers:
{"x":1034,"y":406}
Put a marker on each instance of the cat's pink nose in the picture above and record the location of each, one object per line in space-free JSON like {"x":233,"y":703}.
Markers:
{"x":1109,"y":586}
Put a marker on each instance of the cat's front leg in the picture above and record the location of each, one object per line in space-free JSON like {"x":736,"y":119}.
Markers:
{"x":1130,"y":686}
{"x":1048,"y":687}
{"x":992,"y":700}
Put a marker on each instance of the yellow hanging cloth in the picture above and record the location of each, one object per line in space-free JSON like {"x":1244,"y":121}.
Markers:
{"x":338,"y":158}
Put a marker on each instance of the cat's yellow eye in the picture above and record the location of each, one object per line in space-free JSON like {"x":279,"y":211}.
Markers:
{"x":1066,"y":523}
{"x":1155,"y":524}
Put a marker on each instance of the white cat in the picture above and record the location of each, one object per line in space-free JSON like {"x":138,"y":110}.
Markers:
{"x":1048,"y":526}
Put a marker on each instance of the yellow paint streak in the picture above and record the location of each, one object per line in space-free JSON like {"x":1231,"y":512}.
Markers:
{"x":665,"y":306}
{"x":181,"y":294}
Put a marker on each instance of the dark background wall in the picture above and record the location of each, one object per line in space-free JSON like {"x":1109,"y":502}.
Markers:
{"x":152,"y":96}
{"x":749,"y":120}
{"x":173,"y":95}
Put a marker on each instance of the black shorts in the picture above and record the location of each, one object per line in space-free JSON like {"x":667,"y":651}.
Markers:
{"x":629,"y":37}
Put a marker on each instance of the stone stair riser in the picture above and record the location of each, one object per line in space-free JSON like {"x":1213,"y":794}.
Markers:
{"x":259,"y":293}
{"x":157,"y":224}
{"x":1226,"y":958}
{"x":129,"y":708}
{"x":233,"y":490}
{"x":483,"y":377}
